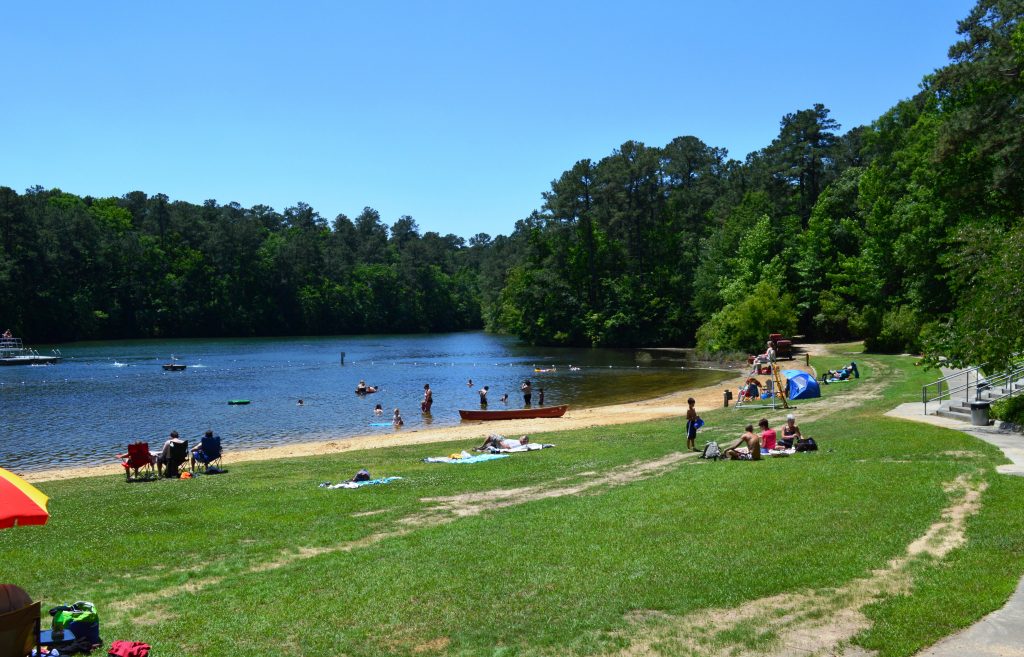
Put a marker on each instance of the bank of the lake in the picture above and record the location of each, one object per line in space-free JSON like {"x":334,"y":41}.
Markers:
{"x":71,"y":418}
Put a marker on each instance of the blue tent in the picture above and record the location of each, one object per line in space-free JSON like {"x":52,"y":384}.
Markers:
{"x":800,"y":385}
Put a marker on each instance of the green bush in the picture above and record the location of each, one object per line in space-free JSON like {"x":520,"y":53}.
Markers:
{"x":900,"y":332}
{"x":1010,"y":409}
{"x":744,"y":326}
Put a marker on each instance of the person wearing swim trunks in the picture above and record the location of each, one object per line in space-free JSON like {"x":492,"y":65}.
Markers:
{"x":751,"y":451}
{"x":691,"y":425}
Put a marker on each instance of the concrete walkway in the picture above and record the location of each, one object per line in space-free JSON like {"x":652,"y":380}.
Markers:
{"x":1010,"y":442}
{"x":1001,"y":633}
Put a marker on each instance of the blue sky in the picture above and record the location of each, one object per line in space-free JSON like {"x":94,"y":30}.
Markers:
{"x":456,"y":113}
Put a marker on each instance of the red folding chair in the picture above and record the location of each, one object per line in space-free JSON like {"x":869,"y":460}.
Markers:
{"x":138,"y":457}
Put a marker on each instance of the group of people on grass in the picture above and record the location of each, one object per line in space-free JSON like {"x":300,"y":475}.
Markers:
{"x":164,"y":461}
{"x":752,"y":444}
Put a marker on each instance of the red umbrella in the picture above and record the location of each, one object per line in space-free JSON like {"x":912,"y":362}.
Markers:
{"x":21,"y":503}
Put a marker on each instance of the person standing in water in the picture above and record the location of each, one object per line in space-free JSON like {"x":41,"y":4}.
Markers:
{"x":541,"y":400}
{"x":397,"y":419}
{"x":691,"y":425}
{"x":428,"y":398}
{"x":483,"y":396}
{"x":527,"y":392}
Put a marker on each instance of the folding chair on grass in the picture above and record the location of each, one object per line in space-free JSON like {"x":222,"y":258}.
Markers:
{"x":176,"y":459}
{"x":19,"y":631}
{"x":138,"y":457}
{"x":209,"y":453}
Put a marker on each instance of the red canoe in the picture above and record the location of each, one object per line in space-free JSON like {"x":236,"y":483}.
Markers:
{"x":517,"y":414}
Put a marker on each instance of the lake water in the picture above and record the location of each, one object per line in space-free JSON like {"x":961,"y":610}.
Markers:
{"x":107,"y":394}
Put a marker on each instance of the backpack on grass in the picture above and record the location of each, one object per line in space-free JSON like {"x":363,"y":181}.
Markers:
{"x":711,"y":451}
{"x":806,"y":445}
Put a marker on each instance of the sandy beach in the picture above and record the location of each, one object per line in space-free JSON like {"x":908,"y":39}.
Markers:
{"x":666,"y":406}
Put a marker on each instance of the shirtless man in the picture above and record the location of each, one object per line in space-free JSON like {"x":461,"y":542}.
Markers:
{"x":752,"y":452}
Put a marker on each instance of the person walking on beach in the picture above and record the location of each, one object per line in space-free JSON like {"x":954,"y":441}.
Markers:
{"x":428,"y":398}
{"x":527,"y":392}
{"x":483,"y":396}
{"x":691,"y":425}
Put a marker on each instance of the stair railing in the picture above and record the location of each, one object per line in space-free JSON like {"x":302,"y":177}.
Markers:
{"x":976,"y":381}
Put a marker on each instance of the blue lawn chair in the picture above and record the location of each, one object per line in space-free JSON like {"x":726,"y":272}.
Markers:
{"x":209,"y":453}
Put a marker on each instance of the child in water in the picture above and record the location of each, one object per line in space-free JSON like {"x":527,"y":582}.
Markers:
{"x":378,"y":411}
{"x":397,"y":420}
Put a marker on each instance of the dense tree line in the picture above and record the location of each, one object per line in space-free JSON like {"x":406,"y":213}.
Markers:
{"x":143,"y":266}
{"x":908,"y":233}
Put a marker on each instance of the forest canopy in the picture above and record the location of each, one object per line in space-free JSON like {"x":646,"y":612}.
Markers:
{"x":907,"y":233}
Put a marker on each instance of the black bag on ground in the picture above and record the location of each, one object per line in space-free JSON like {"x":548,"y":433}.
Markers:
{"x":806,"y":445}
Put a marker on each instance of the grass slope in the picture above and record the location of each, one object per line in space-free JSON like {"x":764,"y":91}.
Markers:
{"x":262,"y":561}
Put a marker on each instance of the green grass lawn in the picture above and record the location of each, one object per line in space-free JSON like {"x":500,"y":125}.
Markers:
{"x":262,"y":561}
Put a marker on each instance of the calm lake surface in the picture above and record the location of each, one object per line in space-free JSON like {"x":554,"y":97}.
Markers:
{"x":107,"y":394}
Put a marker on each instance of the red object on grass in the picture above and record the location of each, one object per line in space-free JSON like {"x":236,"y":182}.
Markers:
{"x":21,"y":503}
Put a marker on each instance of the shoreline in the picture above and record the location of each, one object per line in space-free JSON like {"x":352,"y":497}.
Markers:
{"x":656,"y":408}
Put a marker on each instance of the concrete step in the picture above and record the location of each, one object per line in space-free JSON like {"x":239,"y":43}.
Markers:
{"x":953,"y":416}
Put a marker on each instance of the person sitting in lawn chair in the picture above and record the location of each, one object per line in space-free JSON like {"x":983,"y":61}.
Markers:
{"x":207,"y":452}
{"x":751,"y":390}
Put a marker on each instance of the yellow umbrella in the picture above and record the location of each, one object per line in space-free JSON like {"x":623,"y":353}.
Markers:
{"x":21,"y":503}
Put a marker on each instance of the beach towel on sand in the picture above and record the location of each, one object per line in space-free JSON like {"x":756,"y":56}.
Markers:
{"x":359,"y":484}
{"x":528,"y":447}
{"x":465,"y":459}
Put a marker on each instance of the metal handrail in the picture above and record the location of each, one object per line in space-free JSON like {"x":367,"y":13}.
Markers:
{"x":1011,"y":375}
{"x":954,"y":375}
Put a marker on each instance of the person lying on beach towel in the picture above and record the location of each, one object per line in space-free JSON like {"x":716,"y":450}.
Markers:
{"x":498,"y":441}
{"x":516,"y":449}
{"x":464,"y":457}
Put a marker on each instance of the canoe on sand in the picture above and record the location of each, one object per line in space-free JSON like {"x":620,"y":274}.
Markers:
{"x":515,"y":414}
